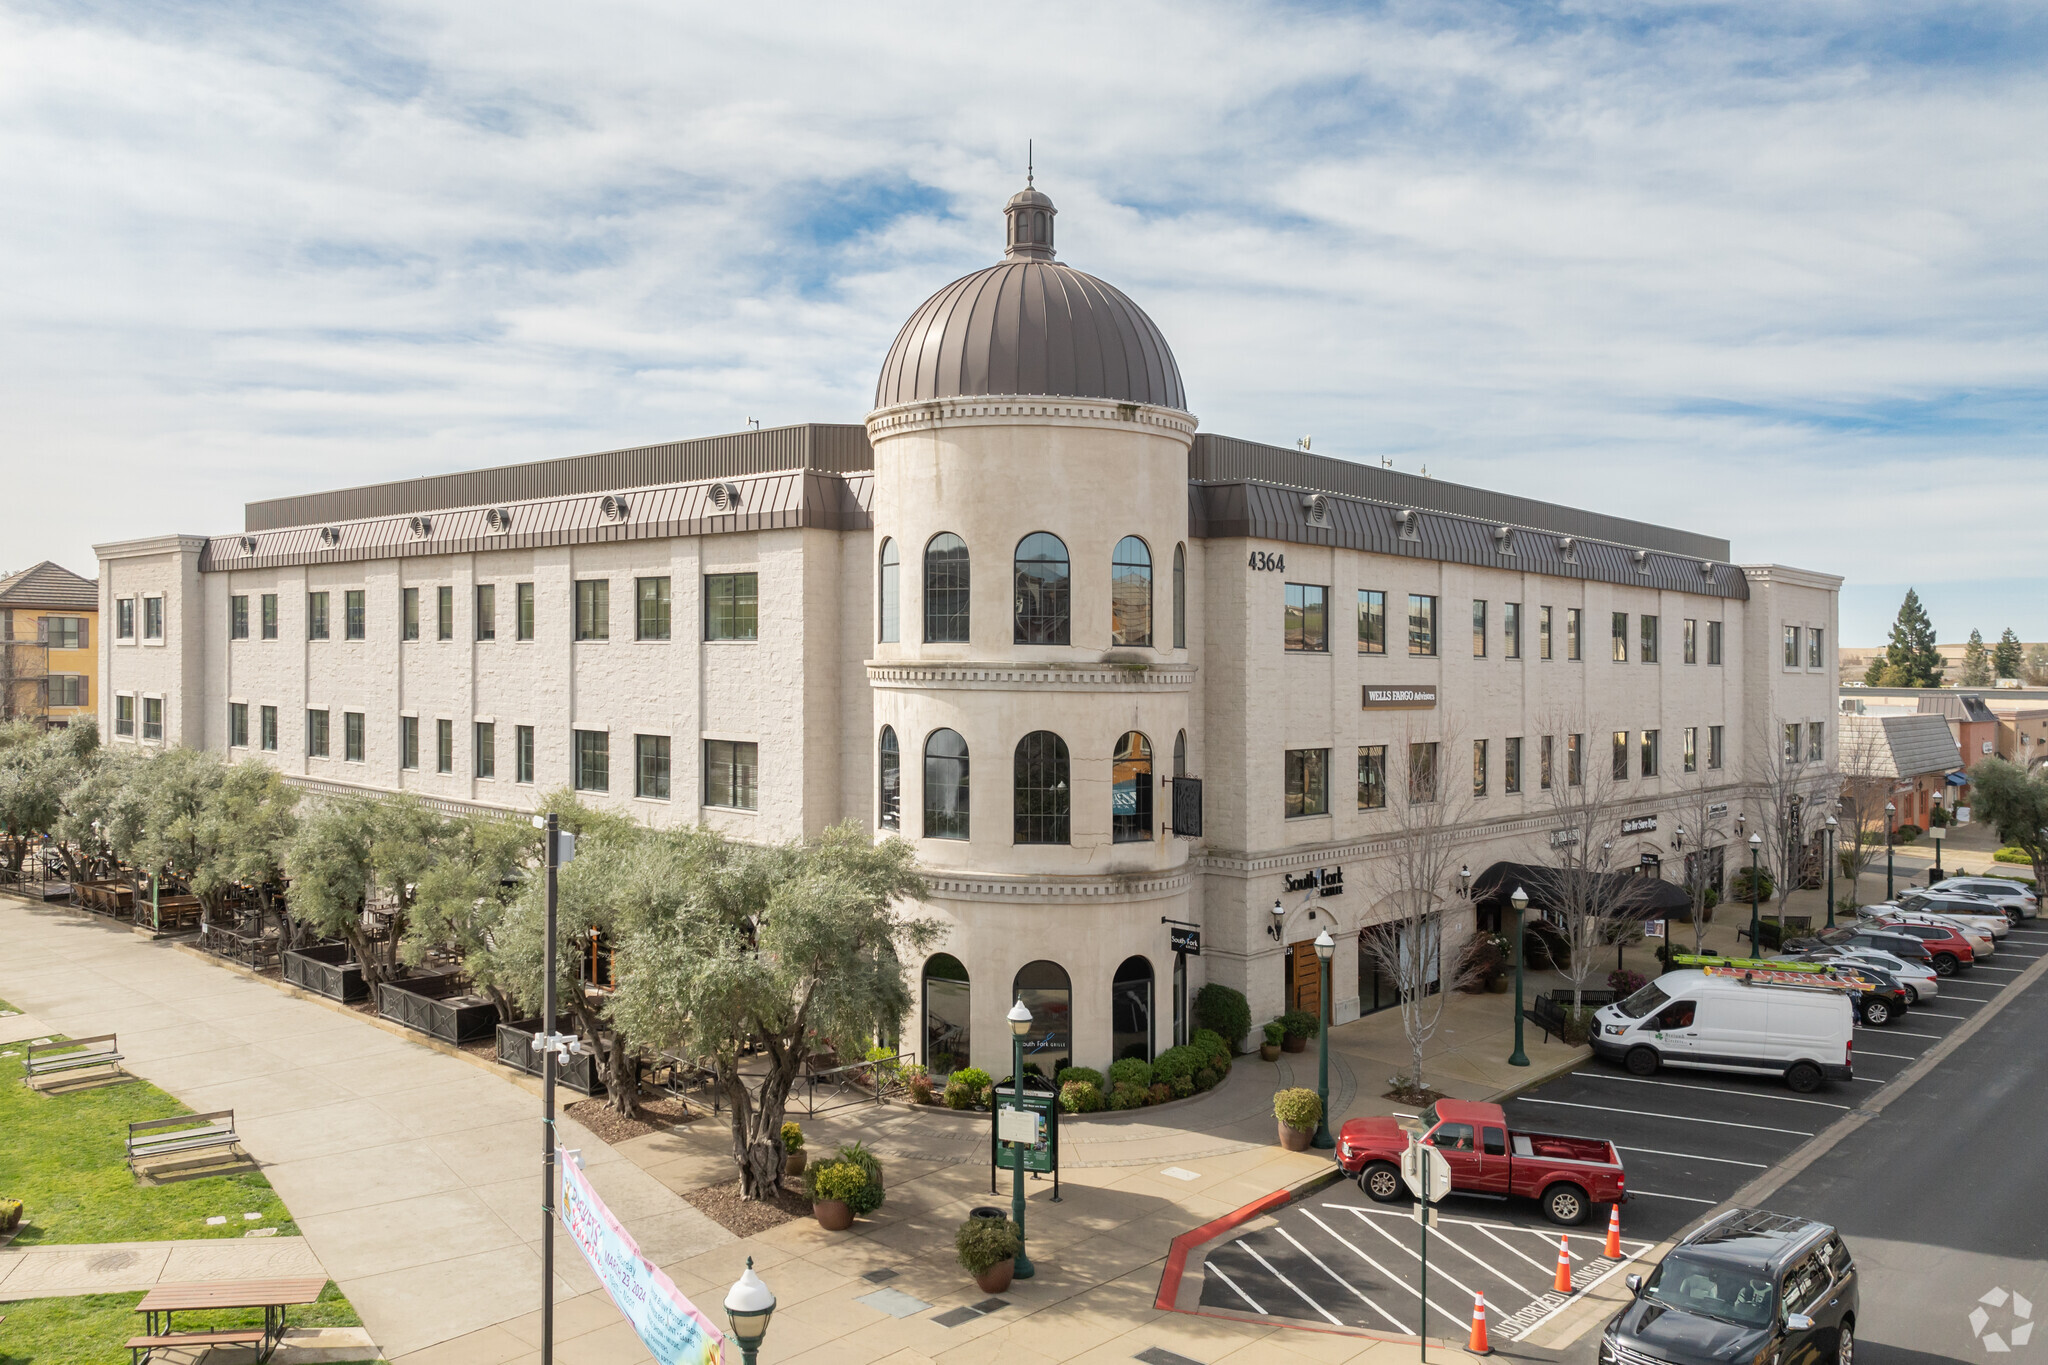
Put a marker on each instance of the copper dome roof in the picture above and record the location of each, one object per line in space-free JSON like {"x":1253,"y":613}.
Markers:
{"x":1030,"y":326}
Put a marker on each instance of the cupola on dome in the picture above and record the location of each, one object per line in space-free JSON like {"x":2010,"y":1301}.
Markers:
{"x":1030,"y":325}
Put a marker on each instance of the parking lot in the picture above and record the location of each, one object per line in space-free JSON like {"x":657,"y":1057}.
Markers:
{"x":1688,"y":1140}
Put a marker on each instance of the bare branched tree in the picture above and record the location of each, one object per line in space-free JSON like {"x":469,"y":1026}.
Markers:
{"x":1578,"y":889}
{"x":1795,"y":791}
{"x":1702,"y":812}
{"x":1865,"y":784}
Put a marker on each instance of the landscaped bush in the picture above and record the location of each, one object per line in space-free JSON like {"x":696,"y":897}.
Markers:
{"x":1128,"y":1096}
{"x":10,"y":1215}
{"x":1300,"y":1024}
{"x":1906,"y":834}
{"x":2009,"y":854}
{"x":1081,"y":1073}
{"x":1175,"y":1064}
{"x":1080,"y":1097}
{"x":792,"y":1137}
{"x":1625,"y":983}
{"x":840,"y":1180}
{"x":1738,"y":885}
{"x":1160,"y":1094}
{"x":1275,"y":1034}
{"x":870,"y":1197}
{"x":1220,"y":1008}
{"x":959,"y":1094}
{"x":1205,"y":1079}
{"x":1213,"y":1049}
{"x":977,"y":1082}
{"x":1130,"y":1071}
{"x":985,"y":1242}
{"x":1183,"y":1086}
{"x":922,"y":1090}
{"x":1299,"y":1109}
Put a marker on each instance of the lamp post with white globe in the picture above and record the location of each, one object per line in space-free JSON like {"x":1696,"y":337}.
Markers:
{"x":748,"y":1306}
{"x":1020,"y":1024}
{"x":1326,"y":948}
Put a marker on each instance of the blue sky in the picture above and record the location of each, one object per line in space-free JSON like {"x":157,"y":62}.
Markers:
{"x":1771,"y":272}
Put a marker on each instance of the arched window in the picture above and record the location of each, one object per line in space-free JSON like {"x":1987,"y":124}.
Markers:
{"x":945,"y":786}
{"x":891,"y":781}
{"x":946,"y":1017}
{"x":885,"y":595}
{"x":1042,"y":606}
{"x":1042,"y":796}
{"x":1180,"y":597}
{"x":1180,"y":754}
{"x":1130,"y":805}
{"x":1048,"y":993}
{"x":1038,"y":227}
{"x":945,"y":589}
{"x":1130,"y":1010}
{"x":1130,"y":593}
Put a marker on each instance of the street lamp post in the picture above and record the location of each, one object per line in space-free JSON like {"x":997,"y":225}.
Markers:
{"x":1890,"y":810}
{"x":748,"y":1306}
{"x":1520,"y":900}
{"x":1935,"y":832}
{"x":1756,"y":847}
{"x":1020,"y":1024}
{"x":1831,"y":871}
{"x":1326,"y":948}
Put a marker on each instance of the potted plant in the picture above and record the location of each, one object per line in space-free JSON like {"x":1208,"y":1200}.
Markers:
{"x":793,"y":1157}
{"x":988,"y":1251}
{"x":1299,"y":1026}
{"x":1269,"y":1050}
{"x":834,"y":1188}
{"x":1299,"y":1111}
{"x":10,"y":1216}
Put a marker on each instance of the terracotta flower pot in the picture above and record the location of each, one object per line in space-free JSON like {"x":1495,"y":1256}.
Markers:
{"x":1497,"y":984}
{"x":794,"y":1162}
{"x":1294,"y":1139}
{"x":834,"y":1215}
{"x":1269,"y":1052}
{"x":996,"y":1278}
{"x":1294,"y":1044}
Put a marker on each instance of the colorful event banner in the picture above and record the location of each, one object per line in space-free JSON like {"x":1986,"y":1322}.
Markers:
{"x":670,"y":1326}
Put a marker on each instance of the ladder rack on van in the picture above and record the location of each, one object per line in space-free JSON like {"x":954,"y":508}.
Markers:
{"x":1804,"y":980}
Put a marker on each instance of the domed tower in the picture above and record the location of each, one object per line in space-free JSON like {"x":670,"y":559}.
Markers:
{"x":1031,"y":676}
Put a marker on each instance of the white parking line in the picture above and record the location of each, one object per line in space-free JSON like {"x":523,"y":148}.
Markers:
{"x":1355,"y":1291}
{"x":1413,"y":1254}
{"x":1360,"y":1254}
{"x":1488,"y":1266}
{"x":1930,"y":1014}
{"x":1652,"y":1194}
{"x":1530,"y":1259}
{"x":1901,"y":1033}
{"x":2014,"y":970}
{"x":1580,"y":1293}
{"x":1888,"y":1056}
{"x":1693,"y":1156}
{"x":1710,"y":1089}
{"x":1224,"y":1276}
{"x":1681,"y":1118}
{"x":1327,"y":1315}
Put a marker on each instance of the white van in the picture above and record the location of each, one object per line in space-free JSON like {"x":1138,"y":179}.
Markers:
{"x":1727,"y":1023}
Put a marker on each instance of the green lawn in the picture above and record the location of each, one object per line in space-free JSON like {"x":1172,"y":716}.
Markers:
{"x":64,"y":1157}
{"x":88,"y":1329}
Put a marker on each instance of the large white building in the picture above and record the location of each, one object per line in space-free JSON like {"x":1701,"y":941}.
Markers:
{"x":998,"y":619}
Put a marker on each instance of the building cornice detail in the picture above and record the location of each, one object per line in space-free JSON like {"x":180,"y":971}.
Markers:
{"x":1001,"y":677}
{"x":1787,"y":576}
{"x":1116,"y":886}
{"x":150,"y":545}
{"x":1029,"y":410}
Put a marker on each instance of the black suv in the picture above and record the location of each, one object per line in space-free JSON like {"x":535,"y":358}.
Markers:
{"x":1900,"y":945}
{"x":1749,"y":1286}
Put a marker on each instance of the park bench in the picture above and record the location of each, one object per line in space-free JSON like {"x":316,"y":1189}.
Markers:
{"x":160,"y":1137}
{"x":140,"y":1348}
{"x":72,"y":1054}
{"x":1548,"y":1015}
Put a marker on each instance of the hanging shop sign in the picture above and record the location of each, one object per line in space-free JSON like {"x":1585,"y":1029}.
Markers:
{"x":1718,"y":808}
{"x":1420,"y":697}
{"x":1563,"y":838}
{"x":1639,"y":824}
{"x":1187,"y":941}
{"x":1324,"y":881}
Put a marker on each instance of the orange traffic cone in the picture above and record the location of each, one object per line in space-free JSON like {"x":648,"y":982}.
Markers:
{"x":1613,"y":1252}
{"x":1478,"y":1346}
{"x":1564,"y":1265}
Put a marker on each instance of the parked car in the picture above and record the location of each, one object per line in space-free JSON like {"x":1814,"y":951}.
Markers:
{"x":1971,"y":910}
{"x":1883,"y":1004}
{"x":1847,"y":936}
{"x":1723,"y":1022}
{"x":1981,"y":943}
{"x":1749,"y":1286}
{"x":1920,"y":980}
{"x":1950,"y":951}
{"x":1997,"y":890}
{"x":1566,"y":1175}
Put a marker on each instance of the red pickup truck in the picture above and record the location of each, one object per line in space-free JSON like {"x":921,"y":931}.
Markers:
{"x":1567,"y":1175}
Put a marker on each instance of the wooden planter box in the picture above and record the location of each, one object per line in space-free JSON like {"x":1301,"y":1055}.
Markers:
{"x":325,"y":969}
{"x":515,"y":1049}
{"x":440,"y":1007}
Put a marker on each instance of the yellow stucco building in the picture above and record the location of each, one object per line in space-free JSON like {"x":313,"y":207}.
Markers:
{"x":49,"y":644}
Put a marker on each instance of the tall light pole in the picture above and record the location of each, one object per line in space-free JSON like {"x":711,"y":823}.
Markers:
{"x":748,"y":1306}
{"x":1756,"y":848}
{"x":1831,"y":871}
{"x":1935,"y":832}
{"x":1020,"y":1024}
{"x":1520,"y":900}
{"x":1890,"y":810}
{"x":1326,"y":948}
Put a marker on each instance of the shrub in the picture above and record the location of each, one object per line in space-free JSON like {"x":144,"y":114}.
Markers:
{"x":1299,"y":1109}
{"x":792,"y":1138}
{"x":869,"y":1198}
{"x":1183,"y":1086}
{"x":922,"y":1090}
{"x":1130,"y":1071}
{"x":1624,"y":984}
{"x":1080,"y":1097}
{"x":1213,"y":1050}
{"x":1738,"y":885}
{"x":1159,"y":1094}
{"x":1128,"y":1096}
{"x":1081,"y":1073}
{"x":1578,"y":1025}
{"x":1300,"y":1024}
{"x":983,"y":1243}
{"x":1906,"y":834}
{"x":1940,"y":816}
{"x":1206,"y":1079}
{"x":835,"y":1180}
{"x":1275,"y":1034}
{"x":1175,"y":1063}
{"x":1220,"y":1008}
{"x":2009,"y":854}
{"x":977,"y":1081}
{"x":10,"y":1215}
{"x":959,"y":1094}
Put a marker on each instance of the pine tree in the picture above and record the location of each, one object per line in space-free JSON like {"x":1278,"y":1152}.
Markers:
{"x":1910,"y":658}
{"x":2006,"y":655}
{"x":1976,"y":662}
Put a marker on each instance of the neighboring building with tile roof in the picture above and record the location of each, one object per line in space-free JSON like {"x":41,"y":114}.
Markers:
{"x":49,"y":644}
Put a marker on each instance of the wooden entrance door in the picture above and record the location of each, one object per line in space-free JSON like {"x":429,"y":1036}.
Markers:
{"x":1305,"y":983}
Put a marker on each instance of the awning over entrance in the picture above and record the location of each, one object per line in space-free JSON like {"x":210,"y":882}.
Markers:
{"x":1633,"y":896}
{"x":1958,"y":779}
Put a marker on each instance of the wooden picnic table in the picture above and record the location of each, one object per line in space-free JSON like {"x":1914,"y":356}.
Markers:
{"x":272,"y":1296}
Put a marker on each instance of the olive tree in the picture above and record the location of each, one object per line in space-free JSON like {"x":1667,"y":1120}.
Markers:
{"x":211,"y":823}
{"x":38,"y":771}
{"x":347,"y":847}
{"x":460,"y":899}
{"x":2015,"y":802}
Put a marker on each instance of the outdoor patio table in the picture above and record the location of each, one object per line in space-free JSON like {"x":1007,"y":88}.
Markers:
{"x":272,"y":1296}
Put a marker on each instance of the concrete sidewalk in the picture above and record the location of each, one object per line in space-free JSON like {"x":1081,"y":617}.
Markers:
{"x":121,"y":1267}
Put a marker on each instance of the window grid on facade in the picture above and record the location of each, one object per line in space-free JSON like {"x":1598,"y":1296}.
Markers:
{"x":1421,"y":773}
{"x":1543,"y":632}
{"x":522,"y":598}
{"x":593,"y":609}
{"x":1813,"y":647}
{"x":409,"y":614}
{"x":409,"y":742}
{"x":444,"y":746}
{"x":1180,"y":597}
{"x":651,"y":619}
{"x":352,"y":736}
{"x":316,"y":734}
{"x":1478,"y":628}
{"x":238,"y":617}
{"x":1652,"y":751}
{"x":1791,"y":646}
{"x":483,"y":740}
{"x":1574,"y":760}
{"x":888,"y":624}
{"x":729,"y":773}
{"x":316,"y":616}
{"x":945,"y":786}
{"x":1545,"y":763}
{"x":124,"y":619}
{"x":1479,"y":767}
{"x":68,"y":689}
{"x":1692,"y":640}
{"x":1792,"y":742}
{"x":1372,"y":777}
{"x":946,"y":590}
{"x":1650,"y":639}
{"x":1511,"y":767}
{"x":152,"y":618}
{"x":1574,"y":633}
{"x":124,"y":715}
{"x":1621,"y":755}
{"x":1816,"y":740}
{"x":889,"y":779}
{"x":1041,"y":587}
{"x":486,"y":611}
{"x":1713,"y":642}
{"x":522,"y":753}
{"x":593,"y":771}
{"x":238,"y":725}
{"x":1372,"y":621}
{"x":1130,"y":594}
{"x":732,"y":606}
{"x":1041,"y":793}
{"x":1307,"y":618}
{"x":354,"y":615}
{"x":650,"y":767}
{"x":1421,"y":625}
{"x":444,"y":613}
{"x":1130,"y":804}
{"x":1511,"y":630}
{"x":268,"y":735}
{"x":1714,"y":746}
{"x":1308,"y":782}
{"x":1620,"y":633}
{"x":153,"y":720}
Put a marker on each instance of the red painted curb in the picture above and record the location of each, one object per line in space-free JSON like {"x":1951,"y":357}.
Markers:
{"x":1178,"y":1249}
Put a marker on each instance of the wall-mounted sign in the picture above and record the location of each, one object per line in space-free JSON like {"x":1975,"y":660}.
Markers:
{"x":1563,"y":838}
{"x":1324,"y":881}
{"x":1639,"y":824}
{"x":1265,"y":561}
{"x":1420,"y":697}
{"x":1718,"y":808}
{"x":1187,"y":941}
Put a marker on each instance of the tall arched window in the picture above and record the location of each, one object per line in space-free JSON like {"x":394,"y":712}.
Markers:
{"x":1042,"y":796}
{"x":1130,"y":593}
{"x":1180,"y":754}
{"x":946,"y":1015}
{"x":1048,"y":993}
{"x":1130,"y":805}
{"x":1130,"y":1010}
{"x":1180,"y":597}
{"x":885,"y":595}
{"x":1042,"y":607}
{"x":945,"y":589}
{"x":891,"y":781}
{"x":945,"y":786}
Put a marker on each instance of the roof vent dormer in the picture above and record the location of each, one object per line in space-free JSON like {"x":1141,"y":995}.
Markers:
{"x":330,"y":536}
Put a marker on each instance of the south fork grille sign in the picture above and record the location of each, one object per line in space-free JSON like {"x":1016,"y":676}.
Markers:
{"x":1324,"y":881}
{"x":1420,"y":698}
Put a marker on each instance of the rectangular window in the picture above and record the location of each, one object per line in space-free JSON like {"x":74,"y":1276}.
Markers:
{"x":238,"y":617}
{"x":316,"y":616}
{"x":1421,"y":774}
{"x":269,"y":615}
{"x":1543,"y":632}
{"x":1791,"y":646}
{"x":152,"y":618}
{"x":444,"y":613}
{"x":352,"y":736}
{"x":1421,"y":625}
{"x":1511,"y":769}
{"x":238,"y":725}
{"x":1479,"y":767}
{"x":593,"y":761}
{"x":486,"y":612}
{"x":269,"y":723}
{"x":1511,"y":630}
{"x":731,"y":606}
{"x":1653,"y":741}
{"x":1544,"y":768}
{"x":1308,"y":618}
{"x":1816,"y":740}
{"x":64,"y":632}
{"x":124,"y":715}
{"x":1308,"y":782}
{"x":522,"y":751}
{"x":1621,"y":755}
{"x":1714,"y":746}
{"x":1713,"y":642}
{"x":1574,"y":760}
{"x":650,"y":765}
{"x":408,"y":741}
{"x":1372,"y":621}
{"x":316,"y":734}
{"x":67,"y":689}
{"x":444,"y":746}
{"x":124,"y":619}
{"x":1650,"y":640}
{"x":152,"y":717}
{"x":1792,"y":742}
{"x":1621,"y":637}
{"x":409,"y":614}
{"x":890,"y":626}
{"x":1372,"y":777}
{"x":729,"y":768}
{"x":522,"y":597}
{"x":1574,"y":633}
{"x":1692,"y":640}
{"x":1692,"y":748}
{"x":1478,"y":629}
{"x":1813,"y":648}
{"x":354,"y":617}
{"x":652,"y":595}
{"x":484,"y":739}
